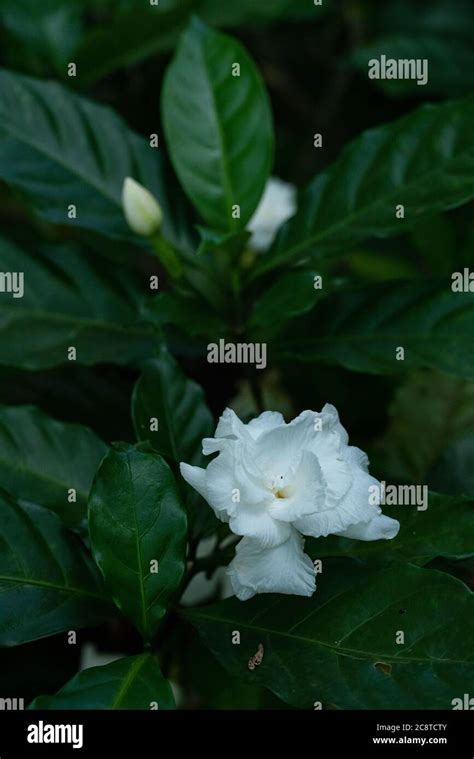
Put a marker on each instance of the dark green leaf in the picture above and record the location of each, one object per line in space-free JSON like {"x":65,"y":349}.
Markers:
{"x":165,"y":396}
{"x":60,"y":149}
{"x":70,"y":300}
{"x":223,"y":154}
{"x":424,"y":161}
{"x":137,"y":531}
{"x":435,"y":241}
{"x":42,"y":459}
{"x":339,"y":647}
{"x":380,"y":266}
{"x":292,"y":295}
{"x":362,"y":329}
{"x":48,"y":582}
{"x":186,"y":311}
{"x":135,"y":682}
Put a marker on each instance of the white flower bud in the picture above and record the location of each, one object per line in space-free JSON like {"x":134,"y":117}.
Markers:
{"x":142,"y":211}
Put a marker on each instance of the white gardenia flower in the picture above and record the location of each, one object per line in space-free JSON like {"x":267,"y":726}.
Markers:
{"x":142,"y":211}
{"x":277,"y":205}
{"x":274,"y":483}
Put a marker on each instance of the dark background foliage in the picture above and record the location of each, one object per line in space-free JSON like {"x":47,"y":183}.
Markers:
{"x":417,"y":427}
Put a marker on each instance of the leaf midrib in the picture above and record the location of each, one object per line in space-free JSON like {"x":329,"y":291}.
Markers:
{"x":21,"y":137}
{"x":223,"y":152}
{"x":137,"y":537}
{"x":366,"y":655}
{"x":131,"y":675}
{"x":52,"y":586}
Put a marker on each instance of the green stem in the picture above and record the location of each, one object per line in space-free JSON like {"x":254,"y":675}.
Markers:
{"x":167,"y":256}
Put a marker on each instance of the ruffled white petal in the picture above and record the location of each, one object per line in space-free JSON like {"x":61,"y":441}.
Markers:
{"x":255,"y":522}
{"x":284,"y":569}
{"x":329,"y":434}
{"x":380,"y":527}
{"x":305,"y":494}
{"x":355,"y":506}
{"x":266,"y":421}
{"x":233,"y":480}
{"x":230,"y":426}
{"x":279,"y":449}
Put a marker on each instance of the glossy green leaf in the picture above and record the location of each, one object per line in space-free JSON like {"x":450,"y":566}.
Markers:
{"x":137,"y":529}
{"x":339,"y":647}
{"x":70,"y":300}
{"x":166,"y":398}
{"x":60,"y":149}
{"x":223,"y":153}
{"x":134,"y":682}
{"x":48,"y":582}
{"x":43,"y":460}
{"x":438,"y":525}
{"x":424,"y":161}
{"x":362,"y":329}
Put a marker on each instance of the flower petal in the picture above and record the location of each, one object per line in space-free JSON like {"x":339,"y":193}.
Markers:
{"x":284,"y":569}
{"x":266,"y":421}
{"x":307,"y":492}
{"x":196,"y":477}
{"x":332,"y":428}
{"x":380,"y":527}
{"x":358,"y":505}
{"x":254,"y":521}
{"x":278,"y":449}
{"x":233,"y":480}
{"x":230,"y":426}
